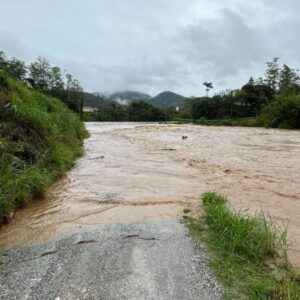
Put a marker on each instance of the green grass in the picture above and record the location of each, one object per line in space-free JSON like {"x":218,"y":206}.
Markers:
{"x":40,"y":138}
{"x":246,"y":252}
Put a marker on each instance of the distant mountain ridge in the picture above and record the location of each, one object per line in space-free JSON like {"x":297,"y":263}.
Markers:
{"x":162,"y":100}
{"x":167,"y":99}
{"x":128,"y":96}
{"x":94,"y":99}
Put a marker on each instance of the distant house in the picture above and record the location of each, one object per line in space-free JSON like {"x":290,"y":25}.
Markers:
{"x":89,"y":109}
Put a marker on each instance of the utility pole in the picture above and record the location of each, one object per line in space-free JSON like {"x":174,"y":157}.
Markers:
{"x":81,"y":108}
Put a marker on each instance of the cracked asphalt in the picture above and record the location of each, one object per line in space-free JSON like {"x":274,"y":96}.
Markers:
{"x":110,"y":229}
{"x":117,"y":261}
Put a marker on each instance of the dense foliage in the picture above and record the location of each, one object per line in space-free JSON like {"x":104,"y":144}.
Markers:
{"x":284,"y":112}
{"x":139,"y":111}
{"x":39,"y":75}
{"x":39,"y":139}
{"x":273,"y":100}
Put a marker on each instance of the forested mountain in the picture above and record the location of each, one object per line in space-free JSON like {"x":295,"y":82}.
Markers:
{"x":167,"y":99}
{"x":162,"y":100}
{"x":95,"y":99}
{"x":127,"y":97}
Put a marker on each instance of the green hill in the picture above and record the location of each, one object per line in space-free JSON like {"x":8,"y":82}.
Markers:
{"x":94,"y":100}
{"x":167,"y":99}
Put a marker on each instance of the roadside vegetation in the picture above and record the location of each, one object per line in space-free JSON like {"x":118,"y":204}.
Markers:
{"x":40,"y":139}
{"x":271,"y":101}
{"x":248,"y":254}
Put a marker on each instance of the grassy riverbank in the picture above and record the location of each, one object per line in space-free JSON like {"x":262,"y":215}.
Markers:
{"x":247,"y":253}
{"x":243,"y":122}
{"x":246,"y":122}
{"x":40,"y":139}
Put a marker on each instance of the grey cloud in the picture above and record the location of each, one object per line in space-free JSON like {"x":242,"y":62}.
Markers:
{"x":11,"y":45}
{"x":223,"y":47}
{"x":154,"y":45}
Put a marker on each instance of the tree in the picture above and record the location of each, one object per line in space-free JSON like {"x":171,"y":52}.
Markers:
{"x":208,"y":86}
{"x":73,"y":93}
{"x":56,"y":82}
{"x":17,"y":69}
{"x":288,"y":80}
{"x":14,"y":67}
{"x":251,"y":81}
{"x":143,"y":111}
{"x":112,"y":111}
{"x":3,"y":61}
{"x":254,"y":97}
{"x":40,"y":74}
{"x":272,"y":73}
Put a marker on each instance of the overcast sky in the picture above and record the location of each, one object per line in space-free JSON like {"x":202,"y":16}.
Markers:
{"x":157,"y":45}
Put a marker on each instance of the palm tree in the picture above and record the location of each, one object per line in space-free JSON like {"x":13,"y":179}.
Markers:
{"x":208,"y":87}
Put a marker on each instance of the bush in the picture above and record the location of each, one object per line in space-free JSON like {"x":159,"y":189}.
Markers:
{"x":284,"y":112}
{"x":241,"y":248}
{"x":238,"y":233}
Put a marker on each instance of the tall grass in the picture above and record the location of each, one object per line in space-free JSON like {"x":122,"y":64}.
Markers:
{"x":40,"y":139}
{"x":246,"y":252}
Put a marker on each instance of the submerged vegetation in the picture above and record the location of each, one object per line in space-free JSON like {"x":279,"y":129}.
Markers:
{"x":39,"y":140}
{"x":247,"y":253}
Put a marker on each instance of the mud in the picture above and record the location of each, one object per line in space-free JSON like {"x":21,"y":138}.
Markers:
{"x":148,"y":173}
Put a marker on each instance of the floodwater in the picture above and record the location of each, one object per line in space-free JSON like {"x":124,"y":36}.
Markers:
{"x":148,"y":173}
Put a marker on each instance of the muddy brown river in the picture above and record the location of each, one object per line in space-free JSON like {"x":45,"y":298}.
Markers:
{"x":148,"y":173}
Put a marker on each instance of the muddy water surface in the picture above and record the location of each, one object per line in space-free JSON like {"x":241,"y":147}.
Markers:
{"x":148,"y":173}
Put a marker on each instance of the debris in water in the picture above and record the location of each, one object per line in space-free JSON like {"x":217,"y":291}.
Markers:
{"x":99,"y":157}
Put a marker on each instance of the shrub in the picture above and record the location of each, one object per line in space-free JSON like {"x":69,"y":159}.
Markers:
{"x":241,"y":248}
{"x":284,"y":112}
